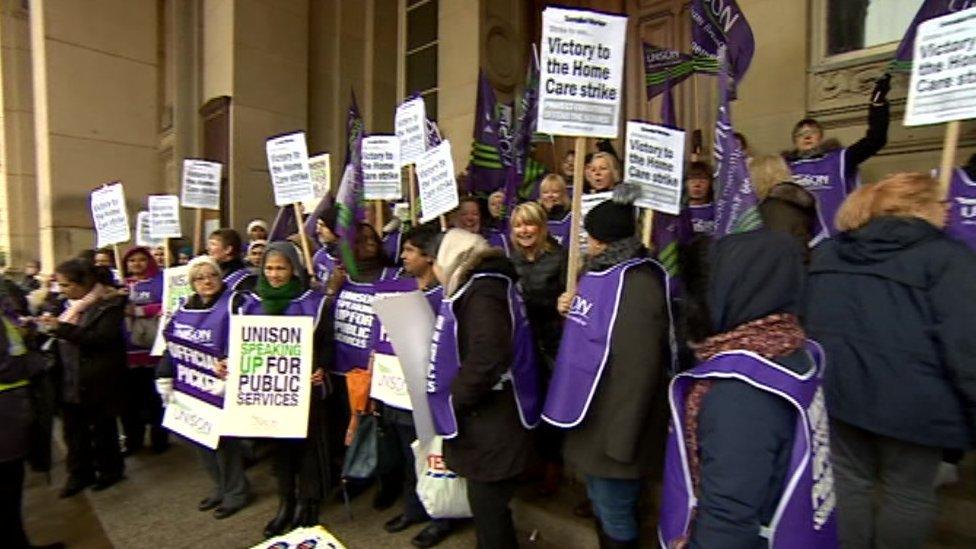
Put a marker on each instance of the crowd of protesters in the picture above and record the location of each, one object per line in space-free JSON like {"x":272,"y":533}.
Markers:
{"x":814,"y":365}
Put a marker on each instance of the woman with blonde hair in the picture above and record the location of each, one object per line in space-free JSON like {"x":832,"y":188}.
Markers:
{"x":766,"y":171}
{"x":602,"y":173}
{"x":554,"y":199}
{"x":892,"y":298}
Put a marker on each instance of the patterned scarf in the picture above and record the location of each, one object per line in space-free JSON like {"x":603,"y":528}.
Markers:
{"x":77,"y":307}
{"x":769,"y":337}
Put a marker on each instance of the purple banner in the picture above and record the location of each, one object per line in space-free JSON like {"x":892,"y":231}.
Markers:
{"x":718,"y":24}
{"x":734,"y":190}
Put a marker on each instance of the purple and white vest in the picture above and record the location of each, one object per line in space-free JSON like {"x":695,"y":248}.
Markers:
{"x":497,"y":239}
{"x":804,"y":516}
{"x":585,"y":346}
{"x":824,"y":177}
{"x":352,"y":315}
{"x":232,"y":280}
{"x":309,"y":303}
{"x":392,"y":244}
{"x":702,"y":218}
{"x":962,"y":208}
{"x":324,"y":262}
{"x":142,"y":293}
{"x":195,"y":341}
{"x":445,"y":362}
{"x":559,"y":228}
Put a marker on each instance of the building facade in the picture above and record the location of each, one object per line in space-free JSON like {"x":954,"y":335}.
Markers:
{"x":94,"y":91}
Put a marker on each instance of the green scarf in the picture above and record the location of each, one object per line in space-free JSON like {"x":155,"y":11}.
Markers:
{"x":275,"y":300}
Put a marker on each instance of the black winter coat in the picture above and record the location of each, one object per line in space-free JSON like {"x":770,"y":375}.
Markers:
{"x":491,"y":444}
{"x":893,"y":304}
{"x":541,"y":282}
{"x":92,"y":355}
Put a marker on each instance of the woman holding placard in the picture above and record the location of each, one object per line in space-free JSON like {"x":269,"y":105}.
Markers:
{"x":203,"y":321}
{"x":301,"y":465}
{"x":144,"y":281}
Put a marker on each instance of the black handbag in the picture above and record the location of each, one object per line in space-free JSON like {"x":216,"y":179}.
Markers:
{"x":362,"y":455}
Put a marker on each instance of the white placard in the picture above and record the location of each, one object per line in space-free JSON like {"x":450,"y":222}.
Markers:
{"x":409,"y":322}
{"x":943,"y":83}
{"x":143,"y":237}
{"x":201,"y":184}
{"x":269,"y":379}
{"x":381,"y":168}
{"x":581,"y":72}
{"x":435,"y":177}
{"x":110,"y":216}
{"x":655,"y":162}
{"x":176,"y":288}
{"x":288,"y":166}
{"x":194,"y":419}
{"x":411,"y":129}
{"x":164,"y":216}
{"x":388,"y":384}
{"x":320,"y":167}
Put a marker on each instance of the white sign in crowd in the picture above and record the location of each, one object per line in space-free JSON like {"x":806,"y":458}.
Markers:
{"x":320,"y":167}
{"x":269,"y":368}
{"x":164,"y":216}
{"x":411,"y":129}
{"x":435,"y":177}
{"x":381,"y":168}
{"x":654,"y":160}
{"x":943,"y":82}
{"x":288,"y":166}
{"x":581,"y":72}
{"x":110,"y":216}
{"x":143,"y":232}
{"x":201,"y":184}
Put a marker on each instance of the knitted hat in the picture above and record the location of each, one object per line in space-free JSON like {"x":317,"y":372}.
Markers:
{"x":614,"y":219}
{"x":257,"y":223}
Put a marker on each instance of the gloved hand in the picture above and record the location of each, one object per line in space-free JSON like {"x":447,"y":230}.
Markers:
{"x":881,"y":88}
{"x":164,"y":386}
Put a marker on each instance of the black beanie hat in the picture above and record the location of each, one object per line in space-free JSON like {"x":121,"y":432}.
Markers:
{"x":610,"y":221}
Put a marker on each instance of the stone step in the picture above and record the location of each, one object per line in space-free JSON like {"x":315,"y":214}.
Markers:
{"x":551,"y":520}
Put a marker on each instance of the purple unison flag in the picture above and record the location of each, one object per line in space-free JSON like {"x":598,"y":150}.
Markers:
{"x":734,"y":190}
{"x":284,"y":224}
{"x":664,"y":68}
{"x":347,"y":201}
{"x":668,"y":117}
{"x":717,"y":24}
{"x":486,"y":172}
{"x":525,"y":124}
{"x":930,"y":8}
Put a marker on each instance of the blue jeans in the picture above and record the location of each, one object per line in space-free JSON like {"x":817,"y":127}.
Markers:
{"x":615,"y":504}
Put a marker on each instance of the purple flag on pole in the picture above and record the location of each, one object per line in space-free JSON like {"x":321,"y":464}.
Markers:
{"x":668,"y":116}
{"x":734,"y":190}
{"x":664,"y":68}
{"x":349,"y":194}
{"x":721,"y":24}
{"x":525,"y":125}
{"x":929,"y":10}
{"x":486,"y":172}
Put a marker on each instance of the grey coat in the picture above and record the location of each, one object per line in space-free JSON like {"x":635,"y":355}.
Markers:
{"x":622,"y":433}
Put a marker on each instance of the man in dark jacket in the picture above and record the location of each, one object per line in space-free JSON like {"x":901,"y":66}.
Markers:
{"x":609,"y":376}
{"x":892,"y":299}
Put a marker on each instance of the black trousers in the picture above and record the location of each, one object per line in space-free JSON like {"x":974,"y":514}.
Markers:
{"x":11,"y":500}
{"x":142,"y":407}
{"x":492,"y":518}
{"x":92,"y":437}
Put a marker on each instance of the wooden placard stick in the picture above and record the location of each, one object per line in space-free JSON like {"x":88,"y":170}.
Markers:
{"x":167,"y":255}
{"x":949,"y":146}
{"x":197,"y":229}
{"x":118,"y":261}
{"x":412,"y":188}
{"x":647,"y":227}
{"x":378,"y":217}
{"x":575,"y":219}
{"x":306,"y":249}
